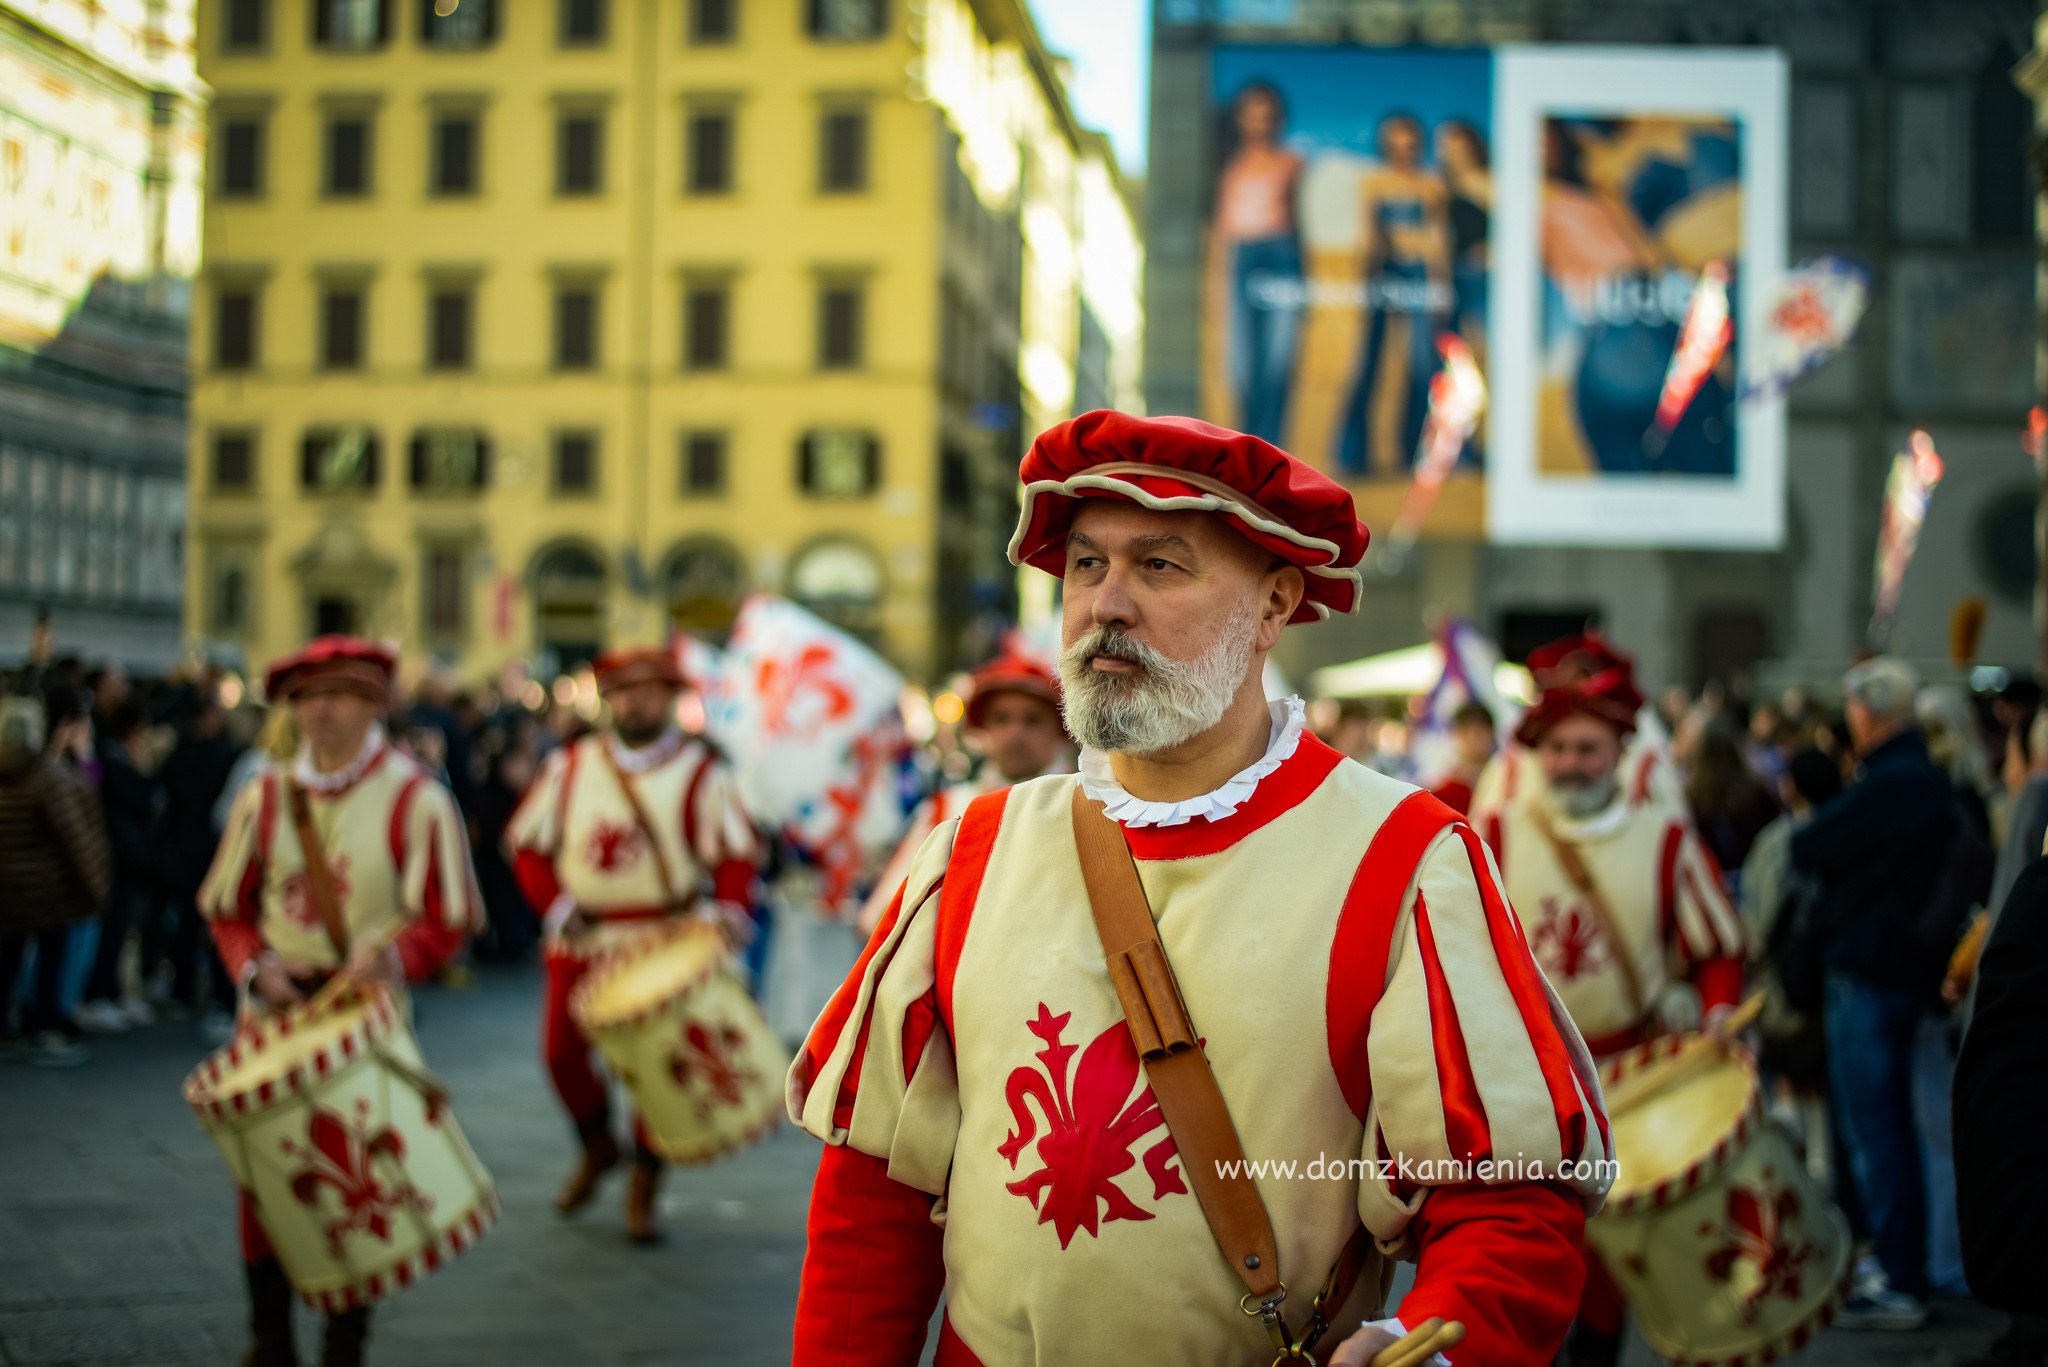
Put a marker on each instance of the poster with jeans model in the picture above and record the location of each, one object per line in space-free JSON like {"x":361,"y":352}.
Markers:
{"x":1347,"y":234}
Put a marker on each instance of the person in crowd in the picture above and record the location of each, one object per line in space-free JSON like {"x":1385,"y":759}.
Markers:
{"x":403,"y":897}
{"x":1730,"y":804}
{"x":57,"y":873}
{"x":1878,"y":854}
{"x":1623,"y":903}
{"x":2026,"y":822}
{"x":1013,"y":706}
{"x":2000,"y":1110}
{"x":940,"y":1075}
{"x":626,"y":830}
{"x":194,"y":779}
{"x":1473,"y":737}
{"x":1956,"y":744}
{"x":509,"y":769}
{"x":133,"y":804}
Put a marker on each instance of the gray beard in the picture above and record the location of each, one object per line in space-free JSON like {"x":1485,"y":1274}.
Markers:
{"x":1581,"y":800}
{"x":1168,"y":702}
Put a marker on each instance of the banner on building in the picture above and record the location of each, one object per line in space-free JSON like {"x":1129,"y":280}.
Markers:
{"x":1645,"y":193}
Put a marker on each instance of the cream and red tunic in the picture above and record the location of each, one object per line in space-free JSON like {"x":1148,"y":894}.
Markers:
{"x":1367,"y":1000}
{"x":576,"y":836}
{"x":1671,"y":918}
{"x":396,"y":846}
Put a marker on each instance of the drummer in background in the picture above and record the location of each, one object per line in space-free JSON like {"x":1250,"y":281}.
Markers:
{"x":396,"y":847}
{"x":625,"y":831}
{"x":1620,"y":901}
{"x":1013,"y":704}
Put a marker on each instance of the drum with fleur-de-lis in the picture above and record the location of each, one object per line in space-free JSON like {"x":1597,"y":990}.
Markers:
{"x":345,"y":1145}
{"x":679,"y":1028}
{"x":1725,"y":1247}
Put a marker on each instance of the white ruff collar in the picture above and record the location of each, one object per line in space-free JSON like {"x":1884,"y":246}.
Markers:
{"x":1598,"y":826}
{"x":652,"y":755}
{"x":313,"y":781}
{"x":1289,"y":715}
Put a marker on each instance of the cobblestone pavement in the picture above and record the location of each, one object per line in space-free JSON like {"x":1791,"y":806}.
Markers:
{"x":117,"y":1231}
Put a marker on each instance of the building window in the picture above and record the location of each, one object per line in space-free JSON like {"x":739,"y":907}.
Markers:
{"x":840,"y":325}
{"x":228,"y":608}
{"x":351,"y":25}
{"x":342,"y":316}
{"x":339,"y":460}
{"x":575,"y":464}
{"x":347,"y":146}
{"x":451,"y":322}
{"x":707,"y":325}
{"x":444,"y":581}
{"x":583,"y":22}
{"x":234,"y":462}
{"x":709,"y":143}
{"x":841,"y":21}
{"x":458,"y":24}
{"x":245,"y":25}
{"x":839,"y":463}
{"x":579,"y":153}
{"x":234,"y":328}
{"x":241,"y":155}
{"x":576,"y":327}
{"x":449,"y":460}
{"x":843,"y":151}
{"x":703,"y":464}
{"x":714,"y":21}
{"x":457,"y":140}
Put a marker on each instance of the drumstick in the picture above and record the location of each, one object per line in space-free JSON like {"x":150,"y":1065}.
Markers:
{"x":1691,"y":1053}
{"x":1432,"y":1337}
{"x":379,"y":940}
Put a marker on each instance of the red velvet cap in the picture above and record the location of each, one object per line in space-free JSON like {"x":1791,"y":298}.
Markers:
{"x":1280,"y":504}
{"x":352,"y":664}
{"x":637,"y":664}
{"x":1581,"y":675}
{"x":1010,"y":674}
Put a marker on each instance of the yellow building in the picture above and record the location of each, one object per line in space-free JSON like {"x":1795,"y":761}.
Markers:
{"x":531,"y":325}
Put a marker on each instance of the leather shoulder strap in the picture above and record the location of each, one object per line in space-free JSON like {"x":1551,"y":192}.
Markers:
{"x":670,"y":894}
{"x":1182,"y":1082}
{"x":1575,"y":869}
{"x":319,"y":876}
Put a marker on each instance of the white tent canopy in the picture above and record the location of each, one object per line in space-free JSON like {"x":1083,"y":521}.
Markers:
{"x":1409,"y":673}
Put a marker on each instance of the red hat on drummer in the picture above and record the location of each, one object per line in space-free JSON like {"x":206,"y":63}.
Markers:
{"x":345,"y":664}
{"x":1010,"y":674}
{"x":1581,"y":676}
{"x":1278,"y":503}
{"x":627,"y":665}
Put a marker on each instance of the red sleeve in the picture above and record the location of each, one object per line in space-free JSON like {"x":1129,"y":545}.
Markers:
{"x":1504,"y":1261}
{"x":238,"y":943}
{"x":536,"y":874}
{"x":873,"y":1269}
{"x":733,"y":881}
{"x":1719,"y":982}
{"x":425,"y":945}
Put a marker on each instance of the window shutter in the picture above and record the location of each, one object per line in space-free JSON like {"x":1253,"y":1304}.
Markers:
{"x":490,"y":20}
{"x":309,"y":459}
{"x":323,"y":31}
{"x":483,"y":462}
{"x":371,"y":450}
{"x":419,"y":460}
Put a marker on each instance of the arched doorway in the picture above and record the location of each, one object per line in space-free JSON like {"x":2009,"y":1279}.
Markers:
{"x":841,"y":579}
{"x":568,"y":586}
{"x":702,"y":582}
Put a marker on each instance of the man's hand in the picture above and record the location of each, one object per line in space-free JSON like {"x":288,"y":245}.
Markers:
{"x":1374,"y":1338}
{"x":273,"y":984}
{"x":375,"y":966}
{"x":732,"y":921}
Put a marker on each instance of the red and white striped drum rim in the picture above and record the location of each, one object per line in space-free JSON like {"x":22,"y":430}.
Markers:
{"x":1652,"y":1196}
{"x":605,"y":971}
{"x":212,"y":1092}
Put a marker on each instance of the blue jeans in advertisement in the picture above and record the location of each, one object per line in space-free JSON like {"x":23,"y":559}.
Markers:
{"x":1871,"y":1036}
{"x":1265,"y":330}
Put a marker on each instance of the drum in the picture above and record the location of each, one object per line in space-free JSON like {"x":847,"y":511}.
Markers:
{"x":680,"y":1030}
{"x":346,"y":1147}
{"x":1722,"y":1243}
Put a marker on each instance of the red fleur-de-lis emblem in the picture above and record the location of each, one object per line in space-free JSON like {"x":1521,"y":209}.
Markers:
{"x":1092,"y":1130}
{"x":799,"y":696}
{"x":706,"y":1063}
{"x":339,"y":1154}
{"x":1803,"y":317}
{"x":1753,"y":1238}
{"x":297,"y":893}
{"x":1568,"y":944}
{"x":613,"y":846}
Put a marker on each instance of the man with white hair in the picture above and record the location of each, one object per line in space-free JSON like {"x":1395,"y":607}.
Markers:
{"x":1878,"y":853}
{"x":1322,"y":981}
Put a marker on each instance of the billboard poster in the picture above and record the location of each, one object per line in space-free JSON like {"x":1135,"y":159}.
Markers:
{"x":1641,"y":198}
{"x":1347,"y":236}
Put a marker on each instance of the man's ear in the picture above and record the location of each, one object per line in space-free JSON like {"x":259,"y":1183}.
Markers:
{"x":1285,"y":587}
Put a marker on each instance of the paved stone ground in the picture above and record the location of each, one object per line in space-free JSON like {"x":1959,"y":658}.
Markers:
{"x":117,"y":1243}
